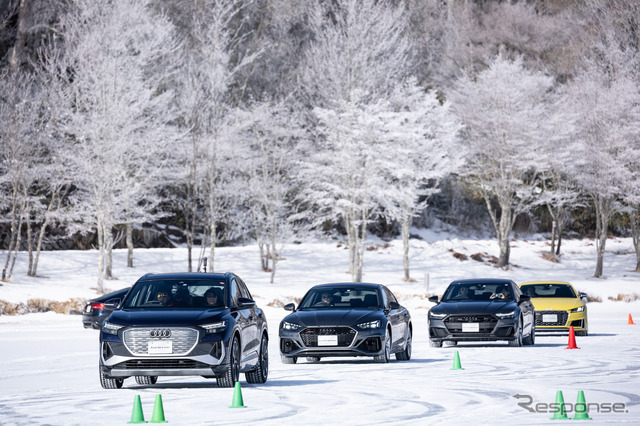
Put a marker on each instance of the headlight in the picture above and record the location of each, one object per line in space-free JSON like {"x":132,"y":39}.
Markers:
{"x":370,"y":324}
{"x":578,"y":309}
{"x":214,"y":327}
{"x":110,"y":328}
{"x":290,"y":326}
{"x":436,"y":316}
{"x":506,"y":315}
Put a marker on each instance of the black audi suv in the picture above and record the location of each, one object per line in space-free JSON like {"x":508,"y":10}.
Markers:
{"x":350,"y":319}
{"x":482,"y":310}
{"x":187,"y":324}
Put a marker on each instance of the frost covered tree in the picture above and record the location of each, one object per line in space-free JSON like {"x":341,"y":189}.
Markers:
{"x":116,"y":109}
{"x":606,"y":97}
{"x":425,"y":145}
{"x":270,"y":152}
{"x":606,"y":146}
{"x":22,"y":148}
{"x":212,"y":118}
{"x":359,"y":54}
{"x":508,"y":112}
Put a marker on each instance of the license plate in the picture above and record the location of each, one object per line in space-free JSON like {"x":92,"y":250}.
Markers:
{"x":327,"y":340}
{"x":549,"y":318}
{"x":470,"y":327}
{"x":159,"y":347}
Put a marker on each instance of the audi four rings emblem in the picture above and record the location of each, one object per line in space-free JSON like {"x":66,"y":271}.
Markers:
{"x":160,"y":333}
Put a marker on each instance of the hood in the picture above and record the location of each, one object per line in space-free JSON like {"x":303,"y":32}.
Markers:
{"x":166,"y":317}
{"x":477,"y":307}
{"x":555,"y":303}
{"x":333,"y":317}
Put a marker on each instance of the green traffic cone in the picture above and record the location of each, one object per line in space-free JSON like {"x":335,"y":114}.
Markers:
{"x":237,"y":397}
{"x":158,"y":411}
{"x":136,"y":415}
{"x":581,"y":408}
{"x":456,"y":362}
{"x":561,"y":414}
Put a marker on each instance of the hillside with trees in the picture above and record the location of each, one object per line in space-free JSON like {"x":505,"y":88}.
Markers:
{"x":134,"y":123}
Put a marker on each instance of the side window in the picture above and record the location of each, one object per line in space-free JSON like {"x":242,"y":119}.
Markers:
{"x":390,"y":296}
{"x":244,"y":292}
{"x":234,"y":293}
{"x":516,"y":291}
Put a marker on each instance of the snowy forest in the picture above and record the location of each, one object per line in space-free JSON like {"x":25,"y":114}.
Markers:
{"x":137,"y":123}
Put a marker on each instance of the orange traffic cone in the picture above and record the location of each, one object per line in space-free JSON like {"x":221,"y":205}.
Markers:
{"x":631,"y":320}
{"x":572,"y":339}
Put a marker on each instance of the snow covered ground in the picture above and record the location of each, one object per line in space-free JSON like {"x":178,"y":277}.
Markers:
{"x":49,"y":363}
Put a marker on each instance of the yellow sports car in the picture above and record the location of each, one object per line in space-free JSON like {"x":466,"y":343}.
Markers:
{"x":558,"y":306}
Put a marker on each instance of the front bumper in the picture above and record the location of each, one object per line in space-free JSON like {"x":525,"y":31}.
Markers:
{"x":318,"y":342}
{"x":198,"y":355}
{"x":561,"y":321}
{"x":463,"y":328}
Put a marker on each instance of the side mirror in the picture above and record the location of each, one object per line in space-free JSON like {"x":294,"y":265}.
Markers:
{"x":584,"y":296}
{"x":524,"y":298}
{"x":290,"y":307}
{"x":244,"y":302}
{"x":434,"y":299}
{"x":394,"y":305}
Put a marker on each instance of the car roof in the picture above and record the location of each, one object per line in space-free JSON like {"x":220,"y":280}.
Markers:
{"x":482,"y":281}
{"x":347,"y":285}
{"x":545,"y":282}
{"x":185,"y":276}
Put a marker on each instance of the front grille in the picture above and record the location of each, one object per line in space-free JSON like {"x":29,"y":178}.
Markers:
{"x":164,"y":364}
{"x":562,"y":317}
{"x":345,"y":335}
{"x":486,"y":322}
{"x":183,"y":340}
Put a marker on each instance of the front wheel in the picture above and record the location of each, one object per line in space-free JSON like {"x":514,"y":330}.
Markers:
{"x":146,"y":380}
{"x":110,"y":382}
{"x":259,"y":375}
{"x":232,"y":374}
{"x":435,"y":343}
{"x":405,"y":355}
{"x":517,"y":342}
{"x":530,"y":340}
{"x":289,"y":359}
{"x":386,"y":353}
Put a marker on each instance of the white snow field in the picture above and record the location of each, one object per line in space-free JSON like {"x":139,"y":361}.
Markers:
{"x":49,"y":362}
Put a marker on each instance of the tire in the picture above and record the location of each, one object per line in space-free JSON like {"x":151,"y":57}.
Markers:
{"x":530,"y":340}
{"x":435,"y":343}
{"x":405,"y":355}
{"x":259,"y":375}
{"x":289,"y":359}
{"x":517,"y":342}
{"x":232,"y":374}
{"x":110,"y":382}
{"x":386,"y":353}
{"x":146,"y":380}
{"x":313,"y":359}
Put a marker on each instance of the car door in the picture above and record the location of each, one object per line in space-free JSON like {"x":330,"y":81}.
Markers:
{"x":397,"y":318}
{"x":526,"y":307}
{"x":247,"y":320}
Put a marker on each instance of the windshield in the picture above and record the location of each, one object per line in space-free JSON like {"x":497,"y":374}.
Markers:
{"x":548,"y":290}
{"x":464,"y":292}
{"x":164,"y":294}
{"x":341,"y":297}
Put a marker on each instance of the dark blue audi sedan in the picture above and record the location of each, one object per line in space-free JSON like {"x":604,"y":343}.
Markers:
{"x":482,"y":309}
{"x":346,"y":319}
{"x":186,"y":324}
